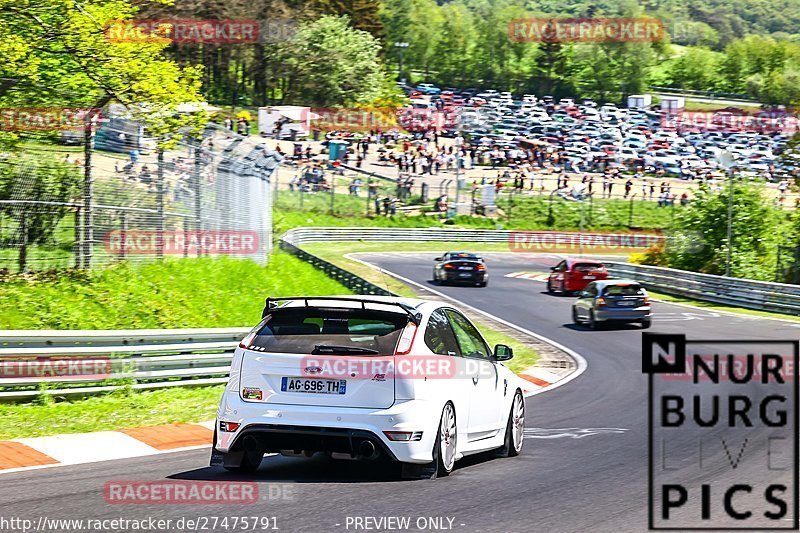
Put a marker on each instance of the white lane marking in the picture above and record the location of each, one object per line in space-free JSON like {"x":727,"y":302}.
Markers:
{"x":573,"y":433}
{"x":579,"y":360}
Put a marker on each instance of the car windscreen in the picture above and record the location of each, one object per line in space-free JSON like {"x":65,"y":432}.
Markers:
{"x":330,"y":331}
{"x":623,"y":290}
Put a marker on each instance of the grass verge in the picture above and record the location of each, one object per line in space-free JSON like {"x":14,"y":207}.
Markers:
{"x":179,"y":293}
{"x":117,"y":410}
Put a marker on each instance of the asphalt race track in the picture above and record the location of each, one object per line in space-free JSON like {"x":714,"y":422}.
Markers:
{"x":583,"y":468}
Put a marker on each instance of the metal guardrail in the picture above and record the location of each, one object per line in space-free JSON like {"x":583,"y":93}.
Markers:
{"x":145,"y":359}
{"x":355,"y":283}
{"x":750,"y":294}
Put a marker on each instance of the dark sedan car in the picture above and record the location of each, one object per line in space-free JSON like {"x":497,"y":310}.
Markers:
{"x":460,"y":267}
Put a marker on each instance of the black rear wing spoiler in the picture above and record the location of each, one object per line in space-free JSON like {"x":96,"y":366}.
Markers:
{"x":272,"y":303}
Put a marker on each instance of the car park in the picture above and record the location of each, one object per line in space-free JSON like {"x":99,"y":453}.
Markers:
{"x":339,"y":376}
{"x":612,"y":300}
{"x":460,"y":267}
{"x":635,"y":137}
{"x":574,"y":274}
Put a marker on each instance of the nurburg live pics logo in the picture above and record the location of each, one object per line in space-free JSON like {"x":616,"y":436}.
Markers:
{"x":722,"y":433}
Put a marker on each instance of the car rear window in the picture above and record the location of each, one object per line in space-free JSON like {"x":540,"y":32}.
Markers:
{"x":586,"y":267}
{"x":302,"y":329}
{"x":623,"y":290}
{"x":465,"y":255}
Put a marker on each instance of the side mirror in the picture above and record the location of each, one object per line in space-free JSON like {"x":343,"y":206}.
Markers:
{"x":583,"y":294}
{"x":503,"y":352}
{"x":439,"y":259}
{"x":552,"y":269}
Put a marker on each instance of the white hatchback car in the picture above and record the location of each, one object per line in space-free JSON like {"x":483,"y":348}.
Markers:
{"x":412,"y":381}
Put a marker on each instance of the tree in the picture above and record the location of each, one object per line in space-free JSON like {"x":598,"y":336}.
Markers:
{"x":44,"y":179}
{"x":71,"y":61}
{"x":696,"y":69}
{"x":364,"y":14}
{"x":701,"y":228}
{"x":329,"y":63}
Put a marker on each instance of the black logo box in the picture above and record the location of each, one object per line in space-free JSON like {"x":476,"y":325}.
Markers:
{"x":677,"y":364}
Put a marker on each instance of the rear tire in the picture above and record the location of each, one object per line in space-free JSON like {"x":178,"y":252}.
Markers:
{"x":645,"y":323}
{"x":515,"y":428}
{"x":549,"y":288}
{"x":253,"y":455}
{"x":483,"y":284}
{"x":591,"y":322}
{"x":444,"y":449}
{"x":575,"y":319}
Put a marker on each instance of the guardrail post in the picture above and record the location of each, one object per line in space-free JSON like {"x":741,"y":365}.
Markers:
{"x":161,"y":222}
{"x":23,"y":240}
{"x":198,"y":205}
{"x":88,"y":194}
{"x":76,"y":247}
{"x":333,"y":194}
{"x":123,"y":234}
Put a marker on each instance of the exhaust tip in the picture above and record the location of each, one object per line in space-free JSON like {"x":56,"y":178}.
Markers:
{"x":367,"y":450}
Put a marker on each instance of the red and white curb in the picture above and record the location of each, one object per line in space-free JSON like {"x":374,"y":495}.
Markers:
{"x":534,"y":276}
{"x":79,"y":448}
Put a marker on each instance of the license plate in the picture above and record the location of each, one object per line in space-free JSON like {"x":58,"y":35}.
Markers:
{"x":465,"y":274}
{"x":626,"y":304}
{"x":465,"y":268}
{"x":589,"y":277}
{"x":313,"y":386}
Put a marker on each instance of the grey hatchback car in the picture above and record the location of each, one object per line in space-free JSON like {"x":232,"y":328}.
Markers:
{"x":612,"y":300}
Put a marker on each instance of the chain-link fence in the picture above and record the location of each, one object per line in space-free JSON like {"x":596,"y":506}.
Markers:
{"x":127,"y":200}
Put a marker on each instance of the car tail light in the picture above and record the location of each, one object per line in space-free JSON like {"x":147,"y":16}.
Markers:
{"x":406,"y":436}
{"x":646,"y":300}
{"x":248,"y":340}
{"x":406,"y":339}
{"x":228,"y":427}
{"x":449,"y":266}
{"x":601,"y":302}
{"x":481,"y":267}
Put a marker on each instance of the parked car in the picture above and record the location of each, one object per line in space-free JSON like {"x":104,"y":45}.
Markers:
{"x":612,"y":300}
{"x":460,"y":267}
{"x":428,"y":88}
{"x":573,"y":275}
{"x":340,"y":376}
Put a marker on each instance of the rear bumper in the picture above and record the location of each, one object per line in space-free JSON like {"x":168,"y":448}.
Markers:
{"x":336,"y":429}
{"x":576,"y":285}
{"x":474,"y":277}
{"x":623,"y":315}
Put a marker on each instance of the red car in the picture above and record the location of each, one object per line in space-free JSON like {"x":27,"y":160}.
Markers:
{"x":573,"y":275}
